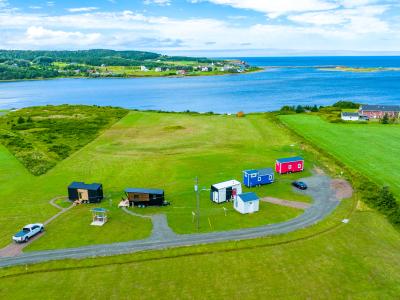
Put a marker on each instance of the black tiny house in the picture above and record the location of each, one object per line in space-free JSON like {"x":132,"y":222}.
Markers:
{"x":146,"y":197}
{"x":87,"y":193}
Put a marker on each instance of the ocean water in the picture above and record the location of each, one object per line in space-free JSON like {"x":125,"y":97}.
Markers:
{"x":292,"y":81}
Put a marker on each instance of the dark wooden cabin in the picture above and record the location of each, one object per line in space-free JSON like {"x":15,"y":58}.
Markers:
{"x":146,"y":197}
{"x":86,"y":193}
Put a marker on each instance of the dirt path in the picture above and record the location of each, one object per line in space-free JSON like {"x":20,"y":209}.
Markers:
{"x":15,"y":249}
{"x":294,"y":204}
{"x":342,"y":188}
{"x":161,"y":229}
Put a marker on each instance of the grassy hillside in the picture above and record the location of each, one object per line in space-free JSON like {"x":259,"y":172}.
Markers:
{"x":329,"y":260}
{"x":154,"y":150}
{"x":42,"y":136}
{"x":371,"y":149}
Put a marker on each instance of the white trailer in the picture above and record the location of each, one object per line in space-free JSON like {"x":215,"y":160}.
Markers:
{"x":246,"y":203}
{"x":225,"y":191}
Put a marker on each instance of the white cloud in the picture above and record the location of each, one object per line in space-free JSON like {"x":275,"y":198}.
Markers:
{"x":82,"y":9}
{"x":276,"y":8}
{"x":38,"y":35}
{"x":361,"y":19}
{"x":3,"y":3}
{"x":343,"y":28}
{"x":158,"y":2}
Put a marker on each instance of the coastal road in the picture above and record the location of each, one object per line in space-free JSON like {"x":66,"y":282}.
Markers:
{"x":320,"y":189}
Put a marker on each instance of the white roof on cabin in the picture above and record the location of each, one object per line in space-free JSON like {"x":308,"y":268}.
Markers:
{"x":226,"y":184}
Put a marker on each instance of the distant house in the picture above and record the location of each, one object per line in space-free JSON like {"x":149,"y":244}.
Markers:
{"x":225,"y":191}
{"x":246,"y":203}
{"x":289,"y":165}
{"x":181,"y":72}
{"x":143,"y":69}
{"x":253,"y":178}
{"x":145,"y":197}
{"x":85,"y":193}
{"x":204,"y":69}
{"x":158,"y":69}
{"x":379,"y":111}
{"x":349,"y":116}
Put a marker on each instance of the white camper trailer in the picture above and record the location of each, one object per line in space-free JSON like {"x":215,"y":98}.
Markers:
{"x":225,"y":191}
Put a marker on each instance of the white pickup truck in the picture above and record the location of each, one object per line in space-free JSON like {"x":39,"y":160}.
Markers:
{"x":27,"y":232}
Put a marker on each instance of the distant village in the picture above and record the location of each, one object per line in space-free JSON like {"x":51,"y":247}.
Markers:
{"x":231,"y":66}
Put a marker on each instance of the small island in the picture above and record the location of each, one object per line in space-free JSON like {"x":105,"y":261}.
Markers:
{"x":23,"y":65}
{"x":358,"y":69}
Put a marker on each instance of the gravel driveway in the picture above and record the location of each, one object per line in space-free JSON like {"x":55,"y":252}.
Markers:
{"x":320,"y":189}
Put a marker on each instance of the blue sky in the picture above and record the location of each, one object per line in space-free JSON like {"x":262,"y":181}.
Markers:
{"x":207,"y":27}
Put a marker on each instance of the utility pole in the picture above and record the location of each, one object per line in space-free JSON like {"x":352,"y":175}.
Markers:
{"x":196,"y":189}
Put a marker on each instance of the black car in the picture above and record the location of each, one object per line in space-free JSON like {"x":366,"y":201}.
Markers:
{"x":300,"y":185}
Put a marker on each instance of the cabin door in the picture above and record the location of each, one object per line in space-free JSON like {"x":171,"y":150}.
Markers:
{"x":215,"y":196}
{"x":83,"y":195}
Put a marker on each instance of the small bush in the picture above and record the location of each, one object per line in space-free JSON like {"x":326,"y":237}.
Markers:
{"x":385,"y":119}
{"x":20,"y":120}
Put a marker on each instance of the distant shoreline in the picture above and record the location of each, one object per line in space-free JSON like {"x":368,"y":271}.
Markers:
{"x":256,"y":70}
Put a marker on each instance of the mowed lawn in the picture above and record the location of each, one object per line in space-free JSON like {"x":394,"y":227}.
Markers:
{"x":155,"y":150}
{"x":358,"y":260}
{"x":372,"y":149}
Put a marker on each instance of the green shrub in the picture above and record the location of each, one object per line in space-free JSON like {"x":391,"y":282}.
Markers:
{"x":346,"y":104}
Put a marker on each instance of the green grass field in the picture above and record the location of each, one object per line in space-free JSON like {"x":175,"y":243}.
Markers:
{"x":372,"y":149}
{"x":155,"y":150}
{"x":358,"y":260}
{"x":329,"y":260}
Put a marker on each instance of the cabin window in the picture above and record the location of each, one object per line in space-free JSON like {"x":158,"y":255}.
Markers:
{"x":270,"y":177}
{"x":299,"y":166}
{"x":154,"y":197}
{"x":259,"y":178}
{"x":253,"y":175}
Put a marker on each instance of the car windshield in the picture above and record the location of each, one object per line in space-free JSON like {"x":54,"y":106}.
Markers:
{"x":25,"y":229}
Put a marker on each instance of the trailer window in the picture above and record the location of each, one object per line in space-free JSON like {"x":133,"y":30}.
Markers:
{"x":299,"y":165}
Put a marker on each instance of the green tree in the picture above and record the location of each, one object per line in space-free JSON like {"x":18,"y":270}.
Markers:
{"x":346,"y":104}
{"x":386,"y":201}
{"x":287,"y":108}
{"x":385,"y":119}
{"x":300,"y":109}
{"x":20,"y":120}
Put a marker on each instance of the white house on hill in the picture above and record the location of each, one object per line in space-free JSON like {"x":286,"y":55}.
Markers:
{"x":246,"y":203}
{"x":349,"y":116}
